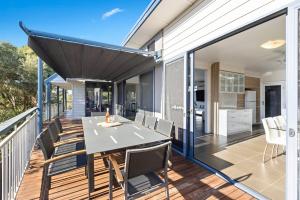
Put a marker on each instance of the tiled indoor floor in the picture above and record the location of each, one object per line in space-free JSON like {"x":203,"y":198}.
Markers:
{"x":242,"y":161}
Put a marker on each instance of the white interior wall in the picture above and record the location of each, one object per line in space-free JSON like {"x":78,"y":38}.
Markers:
{"x":274,"y":77}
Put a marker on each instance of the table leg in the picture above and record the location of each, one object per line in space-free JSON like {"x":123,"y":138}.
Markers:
{"x":91,"y":181}
{"x":110,"y":179}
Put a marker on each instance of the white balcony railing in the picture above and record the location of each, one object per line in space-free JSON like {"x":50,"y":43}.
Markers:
{"x":16,"y":150}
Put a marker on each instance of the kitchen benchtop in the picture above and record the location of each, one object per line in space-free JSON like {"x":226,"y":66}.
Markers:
{"x":235,"y":109}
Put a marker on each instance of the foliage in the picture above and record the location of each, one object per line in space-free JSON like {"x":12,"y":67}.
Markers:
{"x":18,"y":80}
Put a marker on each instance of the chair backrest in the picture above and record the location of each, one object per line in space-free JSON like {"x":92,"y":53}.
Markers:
{"x":280,"y":122}
{"x":53,"y":131}
{"x":271,"y":131}
{"x":146,"y":160}
{"x":164,"y":127}
{"x":150,"y":122}
{"x":139,"y":118}
{"x":46,"y":143}
{"x":58,"y":124}
{"x":94,"y":114}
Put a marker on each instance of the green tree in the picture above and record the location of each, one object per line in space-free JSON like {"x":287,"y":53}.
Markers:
{"x":18,"y":80}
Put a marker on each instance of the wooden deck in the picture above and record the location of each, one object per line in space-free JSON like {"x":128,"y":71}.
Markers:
{"x":186,"y":181}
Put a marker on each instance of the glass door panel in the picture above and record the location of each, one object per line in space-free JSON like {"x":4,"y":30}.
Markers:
{"x":174,"y":99}
{"x":98,"y":97}
{"x":146,"y":93}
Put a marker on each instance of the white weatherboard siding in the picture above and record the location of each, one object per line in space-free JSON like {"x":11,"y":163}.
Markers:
{"x":210,"y":19}
{"x":78,"y":106}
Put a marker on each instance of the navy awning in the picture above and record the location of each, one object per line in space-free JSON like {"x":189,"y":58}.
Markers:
{"x":77,"y":58}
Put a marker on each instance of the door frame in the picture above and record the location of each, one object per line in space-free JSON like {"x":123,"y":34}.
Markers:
{"x":291,"y":12}
{"x":263,"y":97}
{"x":292,"y":53}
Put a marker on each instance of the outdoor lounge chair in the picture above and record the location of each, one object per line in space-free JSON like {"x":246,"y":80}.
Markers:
{"x":139,"y":118}
{"x":55,"y":165}
{"x":140,"y":174}
{"x":150,"y":122}
{"x":274,"y":136}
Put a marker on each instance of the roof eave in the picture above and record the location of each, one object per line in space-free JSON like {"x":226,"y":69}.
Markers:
{"x":150,"y":8}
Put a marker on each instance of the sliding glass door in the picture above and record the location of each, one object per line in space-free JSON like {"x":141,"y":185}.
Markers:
{"x":98,"y":97}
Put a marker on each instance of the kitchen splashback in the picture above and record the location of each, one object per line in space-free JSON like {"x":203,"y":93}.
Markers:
{"x":228,"y":100}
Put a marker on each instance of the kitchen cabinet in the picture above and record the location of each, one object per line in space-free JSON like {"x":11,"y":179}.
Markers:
{"x":234,"y":121}
{"x":231,"y":82}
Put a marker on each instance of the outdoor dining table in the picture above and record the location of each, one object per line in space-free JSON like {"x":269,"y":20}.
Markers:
{"x":106,"y":140}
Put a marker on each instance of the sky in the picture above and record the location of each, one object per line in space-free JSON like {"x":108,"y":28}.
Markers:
{"x":107,"y":21}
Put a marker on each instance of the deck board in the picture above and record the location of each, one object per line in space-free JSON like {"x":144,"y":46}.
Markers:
{"x":186,"y":181}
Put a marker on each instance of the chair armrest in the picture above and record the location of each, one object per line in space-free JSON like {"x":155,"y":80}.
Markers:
{"x":116,"y":166}
{"x":68,"y":141}
{"x":70,"y":133}
{"x":54,"y":159}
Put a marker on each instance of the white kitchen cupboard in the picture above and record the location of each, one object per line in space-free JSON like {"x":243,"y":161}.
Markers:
{"x":234,"y":121}
{"x":231,"y":82}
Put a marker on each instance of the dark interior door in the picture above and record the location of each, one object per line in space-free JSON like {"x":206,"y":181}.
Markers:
{"x":272,"y":100}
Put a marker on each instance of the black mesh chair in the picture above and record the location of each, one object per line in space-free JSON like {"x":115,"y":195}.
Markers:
{"x":166,"y":128}
{"x":67,"y":131}
{"x":64,"y":144}
{"x":141,"y":172}
{"x":139,"y":118}
{"x":55,"y":165}
{"x":150,"y":122}
{"x":56,"y":135}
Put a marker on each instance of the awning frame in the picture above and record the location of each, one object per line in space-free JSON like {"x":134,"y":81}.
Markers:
{"x":78,"y":58}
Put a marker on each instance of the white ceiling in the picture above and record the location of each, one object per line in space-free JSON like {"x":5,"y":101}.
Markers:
{"x":243,"y":50}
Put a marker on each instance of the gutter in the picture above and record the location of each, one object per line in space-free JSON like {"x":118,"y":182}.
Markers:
{"x":148,"y":11}
{"x":51,"y":36}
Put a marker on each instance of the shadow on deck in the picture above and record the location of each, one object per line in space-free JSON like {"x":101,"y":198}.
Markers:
{"x":186,"y":181}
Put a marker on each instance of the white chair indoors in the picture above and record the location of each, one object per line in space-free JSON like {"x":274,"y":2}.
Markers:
{"x":280,"y":122}
{"x":274,"y":136}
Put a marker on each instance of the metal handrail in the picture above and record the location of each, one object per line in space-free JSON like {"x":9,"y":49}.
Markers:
{"x":10,"y":136}
{"x":6,"y":126}
{"x":16,"y":150}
